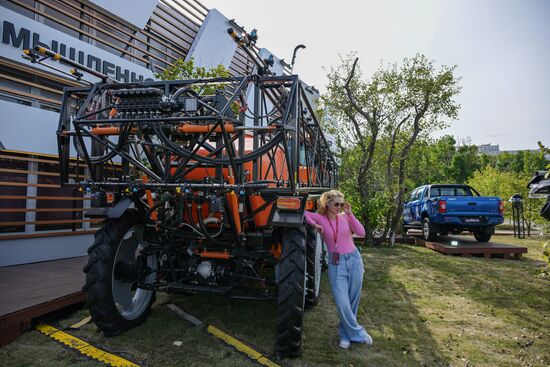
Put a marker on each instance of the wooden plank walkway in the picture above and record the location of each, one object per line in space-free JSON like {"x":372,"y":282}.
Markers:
{"x":32,"y":290}
{"x":467,"y":246}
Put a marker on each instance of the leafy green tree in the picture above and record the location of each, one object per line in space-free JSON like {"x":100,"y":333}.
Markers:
{"x":361,"y":110}
{"x":426,"y":93}
{"x":487,"y":160}
{"x":464,"y":163}
{"x":429,"y":161}
{"x":504,"y":162}
{"x":381,"y":119}
{"x":441,"y":152}
{"x":493,"y":182}
{"x":533,"y":161}
{"x":517,"y":163}
{"x":182,"y":70}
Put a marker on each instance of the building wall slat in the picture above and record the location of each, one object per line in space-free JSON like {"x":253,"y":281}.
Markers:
{"x":45,"y":234}
{"x":6,"y":224}
{"x":15,"y":197}
{"x":31,"y":96}
{"x":182,"y":10}
{"x":93,"y":26}
{"x":4,"y":76}
{"x":41,"y":73}
{"x":41,"y":210}
{"x":82,"y":32}
{"x":132,"y":36}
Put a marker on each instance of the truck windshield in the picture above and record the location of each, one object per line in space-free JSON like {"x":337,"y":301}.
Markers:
{"x":449,"y":191}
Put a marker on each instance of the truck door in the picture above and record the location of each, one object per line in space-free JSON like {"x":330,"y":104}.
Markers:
{"x":416,"y":206}
{"x":408,"y":217}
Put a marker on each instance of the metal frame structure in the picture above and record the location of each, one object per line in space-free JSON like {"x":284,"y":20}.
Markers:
{"x":146,"y":139}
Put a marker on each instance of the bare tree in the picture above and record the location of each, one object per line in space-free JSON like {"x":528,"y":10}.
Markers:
{"x":427,"y":95}
{"x":395,"y":106}
{"x":361,"y":108}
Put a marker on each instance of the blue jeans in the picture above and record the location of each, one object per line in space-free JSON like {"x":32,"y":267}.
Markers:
{"x":346,"y":280}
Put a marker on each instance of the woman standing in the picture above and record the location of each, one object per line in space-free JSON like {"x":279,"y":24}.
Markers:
{"x":345,"y":268}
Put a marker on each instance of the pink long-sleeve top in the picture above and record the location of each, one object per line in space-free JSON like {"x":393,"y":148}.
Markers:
{"x":347,"y":225}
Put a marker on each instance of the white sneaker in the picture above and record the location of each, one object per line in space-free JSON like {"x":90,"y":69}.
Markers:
{"x":344,"y":344}
{"x":368,"y":340}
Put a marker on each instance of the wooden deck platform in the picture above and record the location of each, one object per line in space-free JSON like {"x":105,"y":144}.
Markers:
{"x":32,"y":290}
{"x":467,"y":246}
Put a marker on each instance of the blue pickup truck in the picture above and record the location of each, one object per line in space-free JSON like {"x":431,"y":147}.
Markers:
{"x":440,"y":209}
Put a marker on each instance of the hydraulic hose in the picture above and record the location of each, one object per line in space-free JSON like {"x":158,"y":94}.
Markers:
{"x":220,"y":161}
{"x":204,"y":229}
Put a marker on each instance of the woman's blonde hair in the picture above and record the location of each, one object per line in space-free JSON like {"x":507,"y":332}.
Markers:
{"x":326,"y":197}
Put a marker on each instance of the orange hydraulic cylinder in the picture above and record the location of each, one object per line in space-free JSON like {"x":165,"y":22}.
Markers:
{"x":233,"y":202}
{"x":215,"y":254}
{"x":149,"y":198}
{"x":260,"y":218}
{"x":108,"y":130}
{"x":204,"y":128}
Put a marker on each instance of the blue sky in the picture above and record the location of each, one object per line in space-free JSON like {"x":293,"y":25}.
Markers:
{"x":501,"y":48}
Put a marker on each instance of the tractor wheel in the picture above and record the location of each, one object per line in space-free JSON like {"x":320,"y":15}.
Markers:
{"x":115,"y":302}
{"x":324,"y":256}
{"x":427,"y":230}
{"x":314,"y":253}
{"x":482,"y":236}
{"x":291,"y":291}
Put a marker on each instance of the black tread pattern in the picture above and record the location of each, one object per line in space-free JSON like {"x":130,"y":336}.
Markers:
{"x":291,"y":292}
{"x":482,"y":236}
{"x":98,"y":271}
{"x":432,"y":235}
{"x":311,"y":244}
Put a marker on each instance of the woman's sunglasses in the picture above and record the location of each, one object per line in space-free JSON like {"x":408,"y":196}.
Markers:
{"x":338,"y":205}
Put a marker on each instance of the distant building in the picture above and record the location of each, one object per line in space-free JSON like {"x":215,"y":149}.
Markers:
{"x":491,"y":149}
{"x":488,"y":149}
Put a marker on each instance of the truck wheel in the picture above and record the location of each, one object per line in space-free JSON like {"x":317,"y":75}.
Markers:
{"x":314,"y":253}
{"x":443,"y":234}
{"x":291,"y":292}
{"x":115,"y":302}
{"x":482,"y":236}
{"x":427,"y":230}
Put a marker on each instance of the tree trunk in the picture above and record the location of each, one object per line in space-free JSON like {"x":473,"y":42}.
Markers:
{"x":401,"y":180}
{"x":367,"y":144}
{"x":389,"y":177}
{"x":364,"y":191}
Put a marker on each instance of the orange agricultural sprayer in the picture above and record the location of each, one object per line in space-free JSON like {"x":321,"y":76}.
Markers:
{"x":202,"y":185}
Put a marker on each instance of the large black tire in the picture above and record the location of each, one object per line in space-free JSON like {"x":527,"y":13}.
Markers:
{"x":110,"y":316}
{"x":324,"y":256}
{"x":314,"y":255}
{"x":482,"y":236}
{"x":428,"y":231}
{"x":291,"y":292}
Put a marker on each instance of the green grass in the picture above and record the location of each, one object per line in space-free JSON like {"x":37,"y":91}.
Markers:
{"x":422,"y":309}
